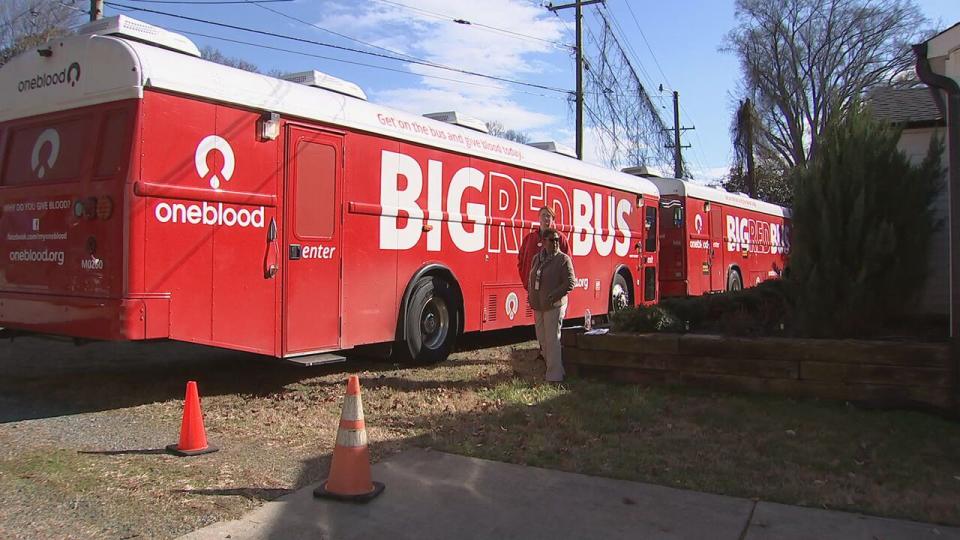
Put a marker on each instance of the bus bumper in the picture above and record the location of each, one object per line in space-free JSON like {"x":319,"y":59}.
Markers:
{"x":114,"y":319}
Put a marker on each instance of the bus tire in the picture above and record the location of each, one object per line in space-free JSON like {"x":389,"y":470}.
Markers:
{"x":431,"y":320}
{"x":734,"y":281}
{"x":619,"y":293}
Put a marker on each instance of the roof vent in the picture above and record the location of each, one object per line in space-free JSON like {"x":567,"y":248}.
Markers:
{"x":642,"y":171}
{"x":459,"y":119}
{"x":123,"y":26}
{"x":555,"y":147}
{"x":322,"y":80}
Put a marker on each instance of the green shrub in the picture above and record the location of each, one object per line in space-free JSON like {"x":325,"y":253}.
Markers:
{"x":862,"y":225}
{"x":645,"y":319}
{"x":757,"y":311}
{"x":760,"y":310}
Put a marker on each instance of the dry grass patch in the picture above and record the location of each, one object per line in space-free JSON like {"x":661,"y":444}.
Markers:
{"x":276,"y":428}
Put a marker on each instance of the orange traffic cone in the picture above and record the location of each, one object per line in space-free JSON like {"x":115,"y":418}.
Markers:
{"x":193,"y":438}
{"x":350,"y":469}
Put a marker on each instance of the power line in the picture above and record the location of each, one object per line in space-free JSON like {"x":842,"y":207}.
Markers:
{"x":210,"y":3}
{"x":698,"y":153}
{"x":642,"y":35}
{"x":355,"y":63}
{"x":480,"y":25}
{"x":342,"y":48}
{"x":344,"y":36}
{"x":614,"y":25}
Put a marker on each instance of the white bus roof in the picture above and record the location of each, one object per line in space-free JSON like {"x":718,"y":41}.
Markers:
{"x":108,"y":68}
{"x":684,"y":188}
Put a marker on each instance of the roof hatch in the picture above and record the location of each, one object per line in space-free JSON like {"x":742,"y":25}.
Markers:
{"x":123,"y":26}
{"x":642,"y":171}
{"x":555,"y":147}
{"x":459,"y":119}
{"x":318,"y":79}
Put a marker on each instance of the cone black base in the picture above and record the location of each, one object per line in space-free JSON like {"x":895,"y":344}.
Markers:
{"x":322,"y":493}
{"x":172,"y":448}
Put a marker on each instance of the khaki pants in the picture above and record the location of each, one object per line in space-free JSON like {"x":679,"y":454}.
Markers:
{"x":548,"y":324}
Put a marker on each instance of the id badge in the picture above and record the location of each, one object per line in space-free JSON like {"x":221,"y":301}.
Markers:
{"x":536,"y":283}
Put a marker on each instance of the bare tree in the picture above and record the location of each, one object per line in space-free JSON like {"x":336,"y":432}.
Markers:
{"x":743,"y":132}
{"x":496,"y":129}
{"x":805,"y":61}
{"x":29,"y":23}
{"x":215,"y":55}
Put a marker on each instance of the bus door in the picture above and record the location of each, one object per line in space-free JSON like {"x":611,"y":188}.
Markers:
{"x":718,"y":270}
{"x":312,"y":234}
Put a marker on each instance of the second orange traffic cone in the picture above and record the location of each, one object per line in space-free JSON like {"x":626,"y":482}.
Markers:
{"x":350,"y":469}
{"x":193,"y":438}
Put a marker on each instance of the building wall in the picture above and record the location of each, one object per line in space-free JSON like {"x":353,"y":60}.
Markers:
{"x":936,"y":294}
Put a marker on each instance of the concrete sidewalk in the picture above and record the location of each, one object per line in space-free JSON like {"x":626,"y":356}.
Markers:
{"x":436,"y":495}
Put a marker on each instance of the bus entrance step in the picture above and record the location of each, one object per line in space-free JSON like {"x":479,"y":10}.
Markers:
{"x":317,"y":359}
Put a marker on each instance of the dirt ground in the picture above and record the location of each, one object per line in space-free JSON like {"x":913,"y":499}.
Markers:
{"x":82,"y":432}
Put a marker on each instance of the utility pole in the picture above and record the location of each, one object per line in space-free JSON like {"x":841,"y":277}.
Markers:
{"x":579,"y":16}
{"x":96,"y":10}
{"x":677,"y":147}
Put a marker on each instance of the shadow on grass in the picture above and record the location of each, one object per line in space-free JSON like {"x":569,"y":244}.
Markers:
{"x":262,"y":494}
{"x":804,"y":452}
{"x":42,"y":378}
{"x":137,"y":452}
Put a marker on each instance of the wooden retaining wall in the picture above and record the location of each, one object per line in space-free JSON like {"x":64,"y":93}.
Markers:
{"x":885,"y":374}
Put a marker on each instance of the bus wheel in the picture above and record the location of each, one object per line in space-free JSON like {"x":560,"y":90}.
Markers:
{"x":431,"y":320}
{"x":619,"y":293}
{"x":734,"y":283}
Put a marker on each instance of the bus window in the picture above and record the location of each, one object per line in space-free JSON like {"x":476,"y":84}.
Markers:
{"x":114,"y":143}
{"x":315,"y":190}
{"x":649,"y":284}
{"x":46,"y":153}
{"x":651,"y":226}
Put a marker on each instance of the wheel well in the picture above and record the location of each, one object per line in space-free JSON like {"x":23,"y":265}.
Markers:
{"x":624,"y":271}
{"x":436,"y":270}
{"x":734,"y":269}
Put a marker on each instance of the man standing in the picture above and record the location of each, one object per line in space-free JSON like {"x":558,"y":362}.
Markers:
{"x":551,"y":280}
{"x":533,"y":242}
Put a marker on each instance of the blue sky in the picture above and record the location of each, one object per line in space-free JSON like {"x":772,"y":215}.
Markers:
{"x":672,"y":43}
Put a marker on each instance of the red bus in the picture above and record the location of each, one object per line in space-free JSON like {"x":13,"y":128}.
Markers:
{"x":149,"y":194}
{"x":712,"y":240}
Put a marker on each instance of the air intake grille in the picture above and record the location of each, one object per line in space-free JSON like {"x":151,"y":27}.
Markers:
{"x":491,"y":308}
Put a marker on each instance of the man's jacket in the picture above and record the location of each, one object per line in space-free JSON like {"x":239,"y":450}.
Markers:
{"x":551,"y":279}
{"x":531,"y":245}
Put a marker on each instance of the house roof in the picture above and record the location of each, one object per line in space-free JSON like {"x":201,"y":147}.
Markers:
{"x":912,"y":107}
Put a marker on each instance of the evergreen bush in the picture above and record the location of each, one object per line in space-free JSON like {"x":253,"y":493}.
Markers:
{"x":862,"y":225}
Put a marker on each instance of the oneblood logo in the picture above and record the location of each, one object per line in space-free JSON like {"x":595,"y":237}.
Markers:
{"x":207,"y":145}
{"x":69,"y":75}
{"x":482,"y":211}
{"x":512,"y":305}
{"x":49,"y":138}
{"x":208,"y":214}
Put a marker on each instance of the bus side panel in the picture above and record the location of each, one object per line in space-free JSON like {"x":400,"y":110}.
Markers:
{"x":370,"y":296}
{"x":673,"y":242}
{"x":466,"y":256}
{"x":197,"y":250}
{"x":244,"y":298}
{"x":178,"y":257}
{"x":754,"y":243}
{"x":698,"y":246}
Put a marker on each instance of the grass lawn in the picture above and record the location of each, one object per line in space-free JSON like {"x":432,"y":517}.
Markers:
{"x":90,"y":465}
{"x":807,"y":452}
